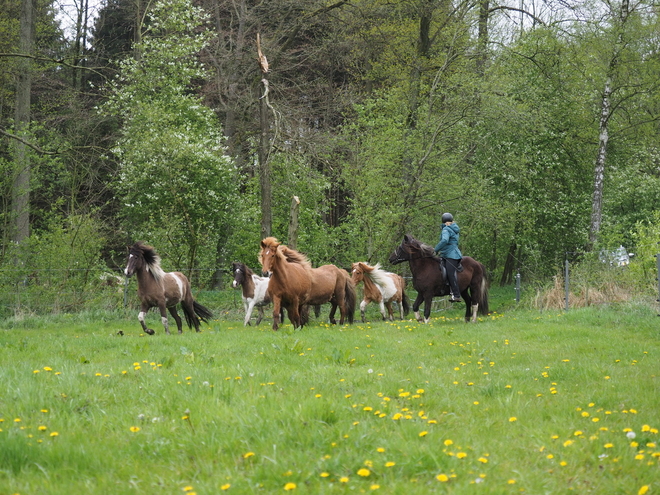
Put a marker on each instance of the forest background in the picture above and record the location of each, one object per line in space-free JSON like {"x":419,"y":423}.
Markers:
{"x":536,"y":123}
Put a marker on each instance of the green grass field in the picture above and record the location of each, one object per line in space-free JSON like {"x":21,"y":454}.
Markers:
{"x":522,"y":402}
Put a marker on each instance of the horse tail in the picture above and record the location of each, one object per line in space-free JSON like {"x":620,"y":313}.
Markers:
{"x":406,"y":303}
{"x":199,"y":312}
{"x":350,"y":298}
{"x":482,"y":296}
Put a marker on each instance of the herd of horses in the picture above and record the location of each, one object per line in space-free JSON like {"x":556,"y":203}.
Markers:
{"x":290,"y":283}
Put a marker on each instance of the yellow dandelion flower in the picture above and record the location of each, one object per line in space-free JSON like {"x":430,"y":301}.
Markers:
{"x":54,"y":434}
{"x":423,"y":433}
{"x":42,"y":428}
{"x":643,"y":490}
{"x":367,"y":408}
{"x":442,"y":477}
{"x":48,"y":368}
{"x":550,"y":456}
{"x":461,"y":455}
{"x":364,"y":472}
{"x":374,"y":487}
{"x":187,"y":488}
{"x":290,"y":486}
{"x":512,"y":419}
{"x":343,"y":479}
{"x":247,"y":455}
{"x":380,"y":449}
{"x":324,"y":474}
{"x":568,"y":442}
{"x":226,"y":486}
{"x":135,"y":429}
{"x":511,"y":481}
{"x":390,"y":463}
{"x":448,"y":442}
{"x":483,"y":460}
{"x":608,"y":445}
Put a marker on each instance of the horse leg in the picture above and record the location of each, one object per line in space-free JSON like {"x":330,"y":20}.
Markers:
{"x":381,"y":306}
{"x":333,"y":310}
{"x":248,"y":312}
{"x":428,"y":302}
{"x":416,"y":305}
{"x":390,"y":311}
{"x":277,"y":302}
{"x":400,"y":303}
{"x":363,"y":306}
{"x":141,"y":315}
{"x":176,"y":317}
{"x":260,"y":310}
{"x":163,"y":318}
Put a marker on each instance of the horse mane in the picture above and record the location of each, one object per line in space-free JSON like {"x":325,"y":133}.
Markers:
{"x":426,"y":250}
{"x":293,"y":256}
{"x":377,"y":274}
{"x":151,"y":259}
{"x":286,"y":253}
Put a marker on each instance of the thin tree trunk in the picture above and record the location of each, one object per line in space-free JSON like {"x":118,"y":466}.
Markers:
{"x":21,"y":182}
{"x":603,"y":132}
{"x":292,"y":241}
{"x":264,"y":149}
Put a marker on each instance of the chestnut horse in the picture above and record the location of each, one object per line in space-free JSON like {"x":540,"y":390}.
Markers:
{"x":162,"y":290}
{"x":255,"y":290}
{"x":429,"y":279}
{"x":381,"y":287}
{"x":294,"y":284}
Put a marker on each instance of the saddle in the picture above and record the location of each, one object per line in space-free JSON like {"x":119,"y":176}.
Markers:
{"x":443,"y":268}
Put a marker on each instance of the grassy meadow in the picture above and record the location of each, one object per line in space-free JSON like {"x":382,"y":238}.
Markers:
{"x":522,"y":402}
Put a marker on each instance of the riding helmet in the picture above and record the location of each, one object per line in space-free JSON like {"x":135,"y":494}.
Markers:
{"x":447,"y":217}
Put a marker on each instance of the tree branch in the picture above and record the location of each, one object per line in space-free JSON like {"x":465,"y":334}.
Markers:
{"x":28,"y":144}
{"x":514,"y":9}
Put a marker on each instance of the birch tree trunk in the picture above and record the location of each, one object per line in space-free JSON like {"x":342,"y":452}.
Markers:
{"x":603,"y":130}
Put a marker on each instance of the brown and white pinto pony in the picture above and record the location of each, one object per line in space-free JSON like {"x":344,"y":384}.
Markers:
{"x":254,"y":288}
{"x":294,"y":284}
{"x":381,"y":287}
{"x":157,"y":288}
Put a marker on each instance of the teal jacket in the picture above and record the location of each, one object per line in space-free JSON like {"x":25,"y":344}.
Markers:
{"x":448,"y":245}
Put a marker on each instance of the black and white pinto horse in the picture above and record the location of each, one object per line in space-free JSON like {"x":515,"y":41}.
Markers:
{"x":255,"y":290}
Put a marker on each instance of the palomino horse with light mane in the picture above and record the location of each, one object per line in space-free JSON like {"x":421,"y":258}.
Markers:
{"x":381,"y":287}
{"x":294,"y":284}
{"x":255,"y":290}
{"x":429,"y":279}
{"x":157,"y":288}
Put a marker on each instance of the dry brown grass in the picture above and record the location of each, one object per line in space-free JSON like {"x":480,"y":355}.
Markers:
{"x":581,"y":295}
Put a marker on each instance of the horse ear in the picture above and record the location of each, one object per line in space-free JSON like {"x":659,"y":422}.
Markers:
{"x":406,"y":238}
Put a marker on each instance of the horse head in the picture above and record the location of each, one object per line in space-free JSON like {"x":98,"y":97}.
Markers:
{"x":410,"y":249}
{"x":239,"y":271}
{"x":357,"y":272}
{"x":142,"y":256}
{"x":269,"y":247}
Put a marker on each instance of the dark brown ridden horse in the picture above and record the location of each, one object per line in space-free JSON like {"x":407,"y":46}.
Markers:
{"x":294,"y":284}
{"x":429,"y":279}
{"x":381,"y":287}
{"x":162,"y":290}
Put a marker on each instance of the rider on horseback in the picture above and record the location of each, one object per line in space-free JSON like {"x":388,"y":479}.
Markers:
{"x":447,"y":248}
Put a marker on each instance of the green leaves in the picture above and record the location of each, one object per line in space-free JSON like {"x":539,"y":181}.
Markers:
{"x":175,"y":181}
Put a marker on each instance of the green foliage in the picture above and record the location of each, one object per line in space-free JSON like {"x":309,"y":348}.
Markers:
{"x":175,"y":182}
{"x":59,"y":270}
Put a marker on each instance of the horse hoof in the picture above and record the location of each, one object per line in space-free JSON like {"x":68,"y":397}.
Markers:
{"x":149,"y":331}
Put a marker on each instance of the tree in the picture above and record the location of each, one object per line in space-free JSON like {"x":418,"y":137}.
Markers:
{"x":21,"y":185}
{"x":175,"y":181}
